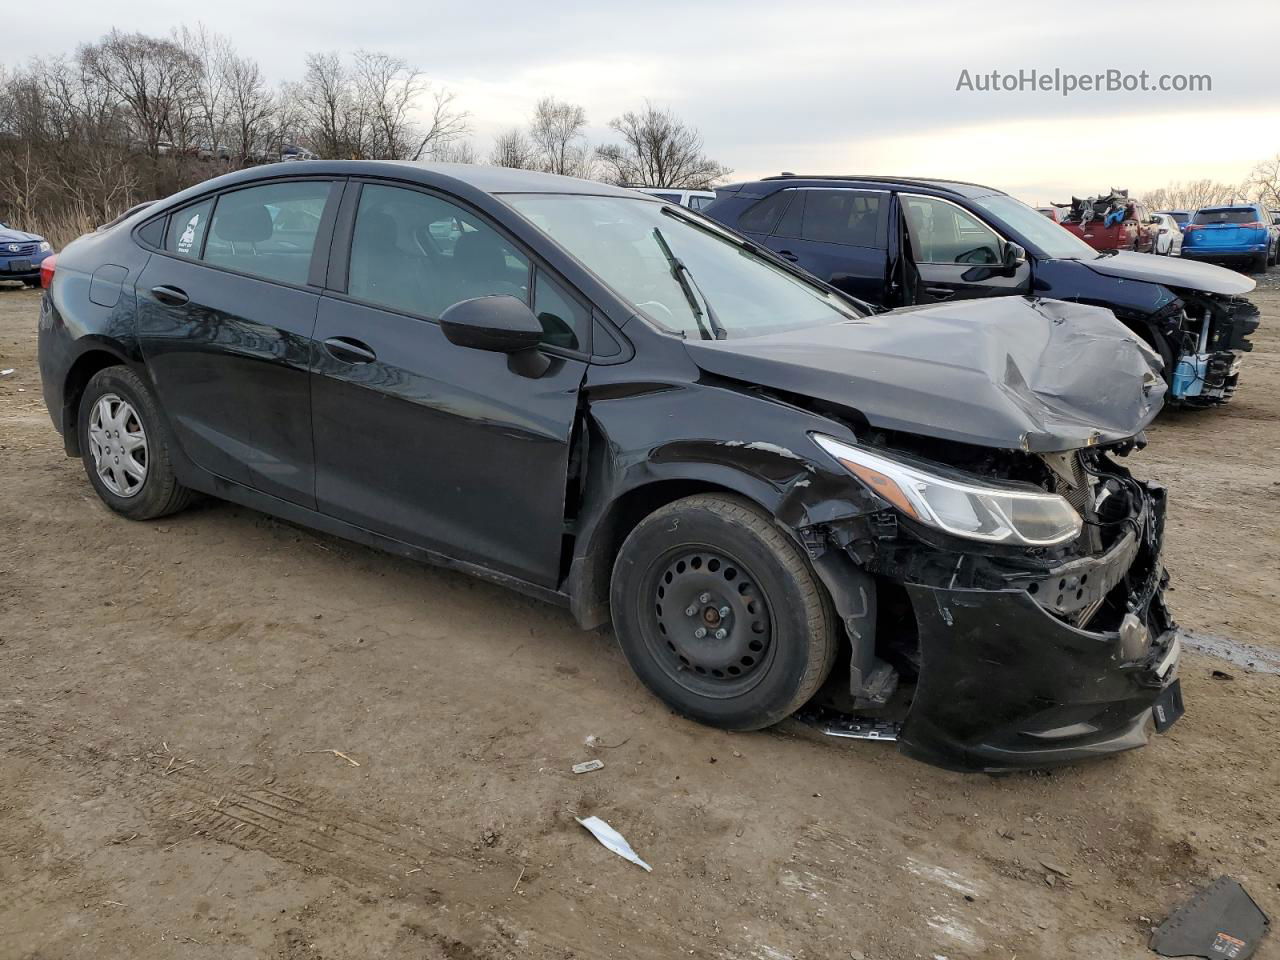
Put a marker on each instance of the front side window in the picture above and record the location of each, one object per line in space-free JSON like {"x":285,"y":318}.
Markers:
{"x":268,"y":231}
{"x":842,"y":216}
{"x":943,"y":233}
{"x":186,"y":229}
{"x":420,"y":254}
{"x":564,"y":321}
{"x":638,"y":249}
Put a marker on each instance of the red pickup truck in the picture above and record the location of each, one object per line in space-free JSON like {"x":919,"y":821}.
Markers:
{"x":1113,"y":223}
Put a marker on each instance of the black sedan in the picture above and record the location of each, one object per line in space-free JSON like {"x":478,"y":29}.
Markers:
{"x":780,"y":498}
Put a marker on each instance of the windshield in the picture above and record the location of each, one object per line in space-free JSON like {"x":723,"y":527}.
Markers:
{"x":1053,"y":241}
{"x":676,"y":273}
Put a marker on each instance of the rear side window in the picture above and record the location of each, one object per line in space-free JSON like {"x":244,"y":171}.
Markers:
{"x":843,"y":216}
{"x":1227,"y":215}
{"x":669,"y":197}
{"x":762,"y":217}
{"x":268,"y":231}
{"x":186,"y":229}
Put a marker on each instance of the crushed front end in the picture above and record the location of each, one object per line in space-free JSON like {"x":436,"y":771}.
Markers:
{"x":1014,"y":657}
{"x":1212,"y":334}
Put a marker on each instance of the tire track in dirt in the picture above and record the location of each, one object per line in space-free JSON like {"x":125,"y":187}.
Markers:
{"x":245,"y":807}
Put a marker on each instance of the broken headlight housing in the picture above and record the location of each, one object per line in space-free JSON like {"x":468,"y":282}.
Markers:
{"x":974,"y":508}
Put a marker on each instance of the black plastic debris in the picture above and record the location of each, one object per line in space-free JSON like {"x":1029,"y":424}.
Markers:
{"x":1221,"y":922}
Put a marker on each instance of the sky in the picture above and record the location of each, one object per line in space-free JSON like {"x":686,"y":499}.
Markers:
{"x":810,"y":87}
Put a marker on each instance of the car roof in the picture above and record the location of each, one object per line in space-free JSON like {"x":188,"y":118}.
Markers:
{"x":961,"y":188}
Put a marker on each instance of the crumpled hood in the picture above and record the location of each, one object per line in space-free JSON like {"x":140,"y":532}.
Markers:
{"x":1008,"y":372}
{"x":10,"y":235}
{"x":1172,"y":272}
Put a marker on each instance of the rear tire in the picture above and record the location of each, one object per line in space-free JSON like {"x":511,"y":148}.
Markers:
{"x":1258,"y":264}
{"x":125,"y":447}
{"x":724,"y":559}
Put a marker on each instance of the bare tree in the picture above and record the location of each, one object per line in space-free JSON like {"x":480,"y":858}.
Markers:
{"x":211,"y":51}
{"x":557,"y":137}
{"x":1192,"y":195}
{"x":658,"y":150}
{"x":512,"y":148}
{"x":324,"y":98}
{"x":249,"y":107}
{"x":155,"y":79}
{"x":1264,"y":183}
{"x":446,"y":124}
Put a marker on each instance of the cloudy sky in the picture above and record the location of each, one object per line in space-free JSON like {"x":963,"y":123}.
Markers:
{"x":818,"y":86}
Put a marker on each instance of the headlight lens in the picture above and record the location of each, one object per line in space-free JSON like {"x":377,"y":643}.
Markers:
{"x":45,"y":246}
{"x":961,"y":508}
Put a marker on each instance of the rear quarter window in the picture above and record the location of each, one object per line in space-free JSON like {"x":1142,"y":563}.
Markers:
{"x":762,"y":216}
{"x":187,"y":229}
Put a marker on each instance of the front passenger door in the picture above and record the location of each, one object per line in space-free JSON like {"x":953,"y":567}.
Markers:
{"x":956,"y":255}
{"x":435,"y":445}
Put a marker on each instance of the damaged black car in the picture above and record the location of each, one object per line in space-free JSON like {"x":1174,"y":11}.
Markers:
{"x":918,"y":523}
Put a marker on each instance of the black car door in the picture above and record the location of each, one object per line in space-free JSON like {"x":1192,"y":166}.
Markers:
{"x":433,"y":444}
{"x":954,"y":253}
{"x":839,"y":235}
{"x":225,"y":317}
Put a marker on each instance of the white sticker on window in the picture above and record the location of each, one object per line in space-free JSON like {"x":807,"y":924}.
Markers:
{"x":189,"y":235}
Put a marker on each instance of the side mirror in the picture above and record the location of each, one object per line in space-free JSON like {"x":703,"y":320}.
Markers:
{"x":499,"y":324}
{"x":1014,"y":256}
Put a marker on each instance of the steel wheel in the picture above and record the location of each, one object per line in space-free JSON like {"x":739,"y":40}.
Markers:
{"x":118,"y":445}
{"x":712,"y":627}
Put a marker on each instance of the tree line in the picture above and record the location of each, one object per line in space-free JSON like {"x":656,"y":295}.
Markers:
{"x":1262,"y":185}
{"x":133,"y":117}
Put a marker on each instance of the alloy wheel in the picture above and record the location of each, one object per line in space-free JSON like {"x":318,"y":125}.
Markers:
{"x":118,"y":443}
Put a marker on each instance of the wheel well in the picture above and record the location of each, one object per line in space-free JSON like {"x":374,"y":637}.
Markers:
{"x":78,"y":377}
{"x":590,"y":571}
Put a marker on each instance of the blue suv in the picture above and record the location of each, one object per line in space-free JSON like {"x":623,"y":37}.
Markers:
{"x":1243,"y":232}
{"x":21,"y":255}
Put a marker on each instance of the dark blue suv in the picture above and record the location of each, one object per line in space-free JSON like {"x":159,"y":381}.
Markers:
{"x":21,"y":255}
{"x":894,"y":241}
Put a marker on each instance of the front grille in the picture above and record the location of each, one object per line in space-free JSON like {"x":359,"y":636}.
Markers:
{"x":23,"y":249}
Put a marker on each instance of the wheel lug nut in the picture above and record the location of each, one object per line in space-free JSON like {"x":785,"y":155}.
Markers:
{"x":724,"y":611}
{"x":700,"y":632}
{"x":705,"y":598}
{"x":721,"y":633}
{"x":690,"y":610}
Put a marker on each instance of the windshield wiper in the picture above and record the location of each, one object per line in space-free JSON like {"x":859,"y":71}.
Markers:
{"x":687,"y":285}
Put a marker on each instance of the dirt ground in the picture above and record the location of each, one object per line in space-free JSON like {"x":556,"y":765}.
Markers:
{"x":223,"y":736}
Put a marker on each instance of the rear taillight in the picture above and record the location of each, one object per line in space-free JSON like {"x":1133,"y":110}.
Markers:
{"x":47,"y":266}
{"x":1192,"y":226}
{"x":1256,"y":225}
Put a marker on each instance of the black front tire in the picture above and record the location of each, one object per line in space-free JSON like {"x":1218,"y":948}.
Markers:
{"x":713,"y":553}
{"x":159,"y":493}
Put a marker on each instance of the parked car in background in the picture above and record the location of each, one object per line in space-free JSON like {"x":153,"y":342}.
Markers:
{"x":1168,"y":236}
{"x":293,"y":152}
{"x":21,"y":255}
{"x":901,"y":241}
{"x":1245,"y":234}
{"x":693,"y":199}
{"x":1180,"y":217}
{"x":1053,"y":213}
{"x":752,"y":475}
{"x":1127,"y":226}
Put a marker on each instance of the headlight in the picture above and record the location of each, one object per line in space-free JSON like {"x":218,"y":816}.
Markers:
{"x":45,"y":246}
{"x":965,"y":509}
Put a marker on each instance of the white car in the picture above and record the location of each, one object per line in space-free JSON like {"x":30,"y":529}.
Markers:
{"x":1168,"y":236}
{"x":693,"y":199}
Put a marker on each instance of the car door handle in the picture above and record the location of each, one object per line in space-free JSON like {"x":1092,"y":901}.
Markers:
{"x":788,"y":255}
{"x":170,"y":295}
{"x":349,"y":350}
{"x":942,"y":293}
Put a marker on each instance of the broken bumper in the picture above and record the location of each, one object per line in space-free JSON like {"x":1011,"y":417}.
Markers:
{"x":1006,"y":684}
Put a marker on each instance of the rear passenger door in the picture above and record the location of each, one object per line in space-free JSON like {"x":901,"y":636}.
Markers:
{"x":839,"y":236}
{"x":225,"y":315}
{"x":436,"y":445}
